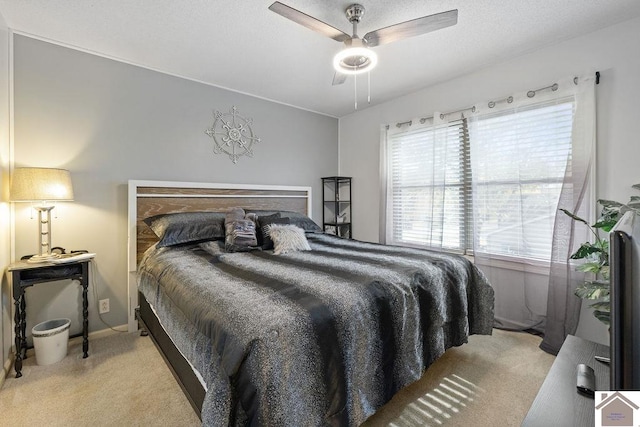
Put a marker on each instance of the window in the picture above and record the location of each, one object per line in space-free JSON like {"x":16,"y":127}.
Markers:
{"x":519,"y":162}
{"x":509,"y":167}
{"x":428,"y":186}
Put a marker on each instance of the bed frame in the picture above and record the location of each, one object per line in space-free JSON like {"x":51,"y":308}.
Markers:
{"x":148,"y":198}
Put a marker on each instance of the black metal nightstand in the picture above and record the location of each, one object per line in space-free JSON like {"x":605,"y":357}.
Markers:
{"x":24,"y":275}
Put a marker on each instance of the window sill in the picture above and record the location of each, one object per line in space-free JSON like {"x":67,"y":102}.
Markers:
{"x":491,"y":260}
{"x":433,"y":248}
{"x":514,"y":263}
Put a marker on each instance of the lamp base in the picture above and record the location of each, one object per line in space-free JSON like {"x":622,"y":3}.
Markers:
{"x":37,"y":259}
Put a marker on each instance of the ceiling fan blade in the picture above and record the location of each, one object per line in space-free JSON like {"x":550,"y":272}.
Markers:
{"x":308,"y":21}
{"x":338,"y":78}
{"x":412,"y":28}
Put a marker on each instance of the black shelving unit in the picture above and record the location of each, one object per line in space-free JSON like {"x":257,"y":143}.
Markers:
{"x":336,"y":210}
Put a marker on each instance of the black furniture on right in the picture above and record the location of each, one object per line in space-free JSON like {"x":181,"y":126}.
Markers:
{"x":336,"y":209}
{"x":558,"y":402}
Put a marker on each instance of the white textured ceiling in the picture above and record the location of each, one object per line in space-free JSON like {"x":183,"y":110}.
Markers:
{"x":241,"y":45}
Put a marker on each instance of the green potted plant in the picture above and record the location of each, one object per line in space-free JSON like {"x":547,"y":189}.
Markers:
{"x":596,"y":255}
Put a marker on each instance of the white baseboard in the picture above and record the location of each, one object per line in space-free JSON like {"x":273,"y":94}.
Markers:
{"x":92,"y":335}
{"x":104,"y":332}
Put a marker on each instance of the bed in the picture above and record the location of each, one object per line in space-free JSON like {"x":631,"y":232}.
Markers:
{"x":319,"y":337}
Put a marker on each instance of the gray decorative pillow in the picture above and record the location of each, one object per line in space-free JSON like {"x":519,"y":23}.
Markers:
{"x":264,"y":219}
{"x":187,"y":227}
{"x":296,"y":218}
{"x":288,"y":238}
{"x":253,"y":217}
{"x":234,"y":213}
{"x":265,"y":224}
{"x":261,"y":221}
{"x":240,"y":235}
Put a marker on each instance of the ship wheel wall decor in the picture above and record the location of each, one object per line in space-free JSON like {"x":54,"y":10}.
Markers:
{"x":232,"y":134}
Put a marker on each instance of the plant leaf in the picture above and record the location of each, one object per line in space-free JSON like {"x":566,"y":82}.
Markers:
{"x":634,"y":204}
{"x":574,"y":217}
{"x":636,"y":186}
{"x":604,"y":244}
{"x":603,"y":306}
{"x":592,"y":290}
{"x":609,"y":215}
{"x":602,"y":316}
{"x":605,"y":271}
{"x":610,"y":210}
{"x":605,"y":224}
{"x":585,"y":250}
{"x":610,"y":203}
{"x":590,"y":267}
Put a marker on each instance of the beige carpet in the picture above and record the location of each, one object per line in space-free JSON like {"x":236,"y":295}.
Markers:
{"x":123,"y":382}
{"x":489,"y":382}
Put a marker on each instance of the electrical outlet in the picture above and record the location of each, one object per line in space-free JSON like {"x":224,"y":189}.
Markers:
{"x":103,"y":306}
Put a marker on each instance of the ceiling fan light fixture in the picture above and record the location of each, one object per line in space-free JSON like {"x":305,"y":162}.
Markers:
{"x":355,"y":60}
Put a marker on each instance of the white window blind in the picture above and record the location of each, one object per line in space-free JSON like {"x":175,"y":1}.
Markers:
{"x":519,"y":161}
{"x":428,"y":186}
{"x":491,"y":185}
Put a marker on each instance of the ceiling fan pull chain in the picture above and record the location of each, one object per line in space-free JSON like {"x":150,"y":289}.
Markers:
{"x":355,"y":90}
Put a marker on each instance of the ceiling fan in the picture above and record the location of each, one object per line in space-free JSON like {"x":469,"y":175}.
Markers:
{"x":357,"y":56}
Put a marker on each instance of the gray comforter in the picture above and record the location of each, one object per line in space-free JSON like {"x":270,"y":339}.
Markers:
{"x":323,"y":337}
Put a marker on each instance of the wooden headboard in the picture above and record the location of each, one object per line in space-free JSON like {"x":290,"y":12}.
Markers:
{"x":148,"y":198}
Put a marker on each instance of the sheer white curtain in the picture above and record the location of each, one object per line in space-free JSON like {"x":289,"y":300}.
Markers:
{"x":578,"y":196}
{"x":531,"y":155}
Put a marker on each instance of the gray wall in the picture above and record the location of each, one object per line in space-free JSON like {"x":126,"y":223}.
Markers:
{"x":611,"y":51}
{"x":109,"y":122}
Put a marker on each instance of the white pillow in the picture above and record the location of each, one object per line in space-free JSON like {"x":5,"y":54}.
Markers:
{"x":288,"y":238}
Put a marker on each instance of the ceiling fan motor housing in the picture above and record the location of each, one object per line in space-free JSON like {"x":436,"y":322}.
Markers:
{"x":356,"y":58}
{"x":354,"y":13}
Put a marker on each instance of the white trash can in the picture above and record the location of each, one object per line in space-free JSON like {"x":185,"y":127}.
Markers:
{"x":50,"y":339}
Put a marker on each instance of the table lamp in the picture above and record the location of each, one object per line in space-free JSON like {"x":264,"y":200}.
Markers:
{"x":42,"y":185}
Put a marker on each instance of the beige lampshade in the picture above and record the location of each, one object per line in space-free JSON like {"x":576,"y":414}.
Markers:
{"x":40,"y":184}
